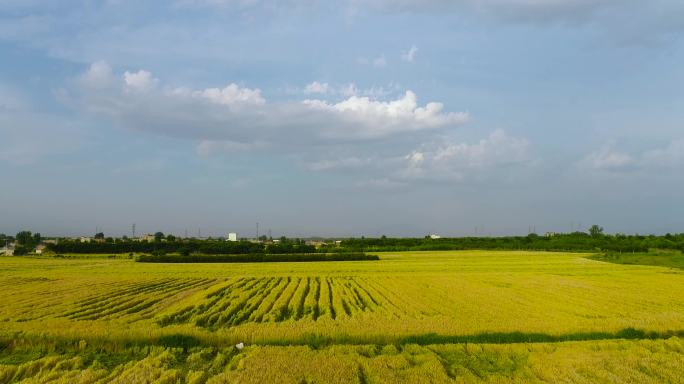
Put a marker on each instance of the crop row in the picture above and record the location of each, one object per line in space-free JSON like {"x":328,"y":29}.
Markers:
{"x":139,"y":298}
{"x":278,"y":299}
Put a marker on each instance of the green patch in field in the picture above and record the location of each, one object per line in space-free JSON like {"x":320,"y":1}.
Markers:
{"x":670,"y":259}
{"x":464,"y":361}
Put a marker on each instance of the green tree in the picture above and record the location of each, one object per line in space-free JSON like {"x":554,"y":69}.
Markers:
{"x":170,"y":238}
{"x":99,"y":235}
{"x":21,"y":250}
{"x":159,"y":236}
{"x":596,"y":231}
{"x":25,"y":238}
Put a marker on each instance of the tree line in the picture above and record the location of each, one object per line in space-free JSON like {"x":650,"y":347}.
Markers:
{"x":256,"y":258}
{"x":591,"y":241}
{"x":182,"y":246}
{"x":577,"y":241}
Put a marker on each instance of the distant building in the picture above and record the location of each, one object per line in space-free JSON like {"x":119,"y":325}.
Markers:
{"x":85,"y":239}
{"x":435,"y":237}
{"x":232,"y":236}
{"x":40,"y":249}
{"x":148,"y":237}
{"x":7,"y":250}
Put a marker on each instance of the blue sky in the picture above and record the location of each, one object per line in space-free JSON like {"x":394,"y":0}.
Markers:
{"x":342,"y":118}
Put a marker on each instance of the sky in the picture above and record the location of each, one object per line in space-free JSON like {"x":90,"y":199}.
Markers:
{"x":345,"y":118}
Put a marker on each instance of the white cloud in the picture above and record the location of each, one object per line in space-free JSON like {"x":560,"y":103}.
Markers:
{"x":316,"y":87}
{"x":498,"y":156}
{"x":370,"y":118}
{"x":232,"y":94}
{"x":349,"y":90}
{"x":454,"y":160}
{"x":380,"y":62}
{"x":498,"y":148}
{"x":609,"y":159}
{"x":242,"y":115}
{"x":410,"y":55}
{"x":346,"y":90}
{"x":98,"y":76}
{"x":139,"y":81}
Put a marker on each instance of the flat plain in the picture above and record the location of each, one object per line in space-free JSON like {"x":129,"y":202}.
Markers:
{"x":453,"y":316}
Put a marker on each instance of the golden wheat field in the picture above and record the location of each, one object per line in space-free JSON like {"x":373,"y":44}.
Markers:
{"x":457,"y":316}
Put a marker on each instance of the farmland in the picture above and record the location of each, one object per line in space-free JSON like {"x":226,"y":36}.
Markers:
{"x":461,"y":316}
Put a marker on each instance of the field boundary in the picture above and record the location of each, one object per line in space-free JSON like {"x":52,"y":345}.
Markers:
{"x":257,"y":258}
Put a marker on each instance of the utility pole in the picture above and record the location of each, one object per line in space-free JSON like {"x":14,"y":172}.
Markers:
{"x":257,"y":230}
{"x":133,"y":230}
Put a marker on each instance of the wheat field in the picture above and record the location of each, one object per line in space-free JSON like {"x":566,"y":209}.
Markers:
{"x":466,"y":316}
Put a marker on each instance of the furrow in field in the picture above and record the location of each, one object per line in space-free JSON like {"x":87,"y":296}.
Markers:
{"x":282,"y":311}
{"x":317,"y":299}
{"x":324,"y":300}
{"x":311,"y":299}
{"x":207,"y":315}
{"x":265,"y":306}
{"x":302,"y":299}
{"x":243,"y":315}
{"x":331,"y":302}
{"x":340,"y":305}
{"x":355,"y":306}
{"x":235,"y":306}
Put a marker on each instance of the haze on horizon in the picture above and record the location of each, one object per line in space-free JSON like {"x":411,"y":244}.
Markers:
{"x":341,"y":118}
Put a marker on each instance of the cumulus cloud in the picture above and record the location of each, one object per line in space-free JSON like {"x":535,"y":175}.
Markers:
{"x":347,"y":90}
{"x":410,"y":55}
{"x":240,"y":114}
{"x":381,"y":118}
{"x":611,"y":160}
{"x":231,"y":95}
{"x":316,"y":87}
{"x":98,"y":76}
{"x":139,"y":81}
{"x":456,"y":160}
{"x":446,"y":160}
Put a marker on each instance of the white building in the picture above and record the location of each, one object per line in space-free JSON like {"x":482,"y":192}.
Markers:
{"x":232,"y":236}
{"x":435,"y":237}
